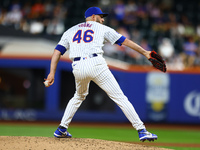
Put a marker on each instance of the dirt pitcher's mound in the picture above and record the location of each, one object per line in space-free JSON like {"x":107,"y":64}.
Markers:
{"x":51,"y":143}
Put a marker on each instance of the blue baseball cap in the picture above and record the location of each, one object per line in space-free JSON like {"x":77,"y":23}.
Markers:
{"x":94,"y":10}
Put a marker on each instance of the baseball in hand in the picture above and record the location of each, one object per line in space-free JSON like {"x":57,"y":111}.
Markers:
{"x":46,"y":83}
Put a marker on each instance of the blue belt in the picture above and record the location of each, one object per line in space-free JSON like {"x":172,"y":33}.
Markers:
{"x":90,"y":56}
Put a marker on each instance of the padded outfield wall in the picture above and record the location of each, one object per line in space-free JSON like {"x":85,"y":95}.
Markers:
{"x":172,"y":97}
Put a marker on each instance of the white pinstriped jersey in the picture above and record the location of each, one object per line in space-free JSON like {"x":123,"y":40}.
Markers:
{"x":87,"y":38}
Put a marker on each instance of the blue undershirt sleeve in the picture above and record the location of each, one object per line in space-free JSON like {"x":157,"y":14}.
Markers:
{"x":120,"y":40}
{"x":61,"y":48}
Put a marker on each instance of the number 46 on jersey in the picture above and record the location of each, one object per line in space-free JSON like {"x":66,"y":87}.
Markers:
{"x":86,"y":36}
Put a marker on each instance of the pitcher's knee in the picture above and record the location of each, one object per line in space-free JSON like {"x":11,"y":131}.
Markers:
{"x":80,"y":96}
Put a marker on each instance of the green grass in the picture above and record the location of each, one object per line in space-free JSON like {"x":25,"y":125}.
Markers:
{"x":29,"y":130}
{"x":178,"y":136}
{"x":105,"y":133}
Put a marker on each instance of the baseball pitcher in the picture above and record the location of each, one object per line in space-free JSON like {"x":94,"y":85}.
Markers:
{"x":84,"y":42}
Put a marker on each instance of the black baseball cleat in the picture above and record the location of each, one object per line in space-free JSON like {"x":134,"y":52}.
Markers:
{"x":145,"y":135}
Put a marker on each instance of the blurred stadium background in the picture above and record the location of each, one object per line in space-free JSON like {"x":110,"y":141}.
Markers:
{"x":30,"y":30}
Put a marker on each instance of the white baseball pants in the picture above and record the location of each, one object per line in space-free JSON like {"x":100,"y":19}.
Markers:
{"x":96,"y":69}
